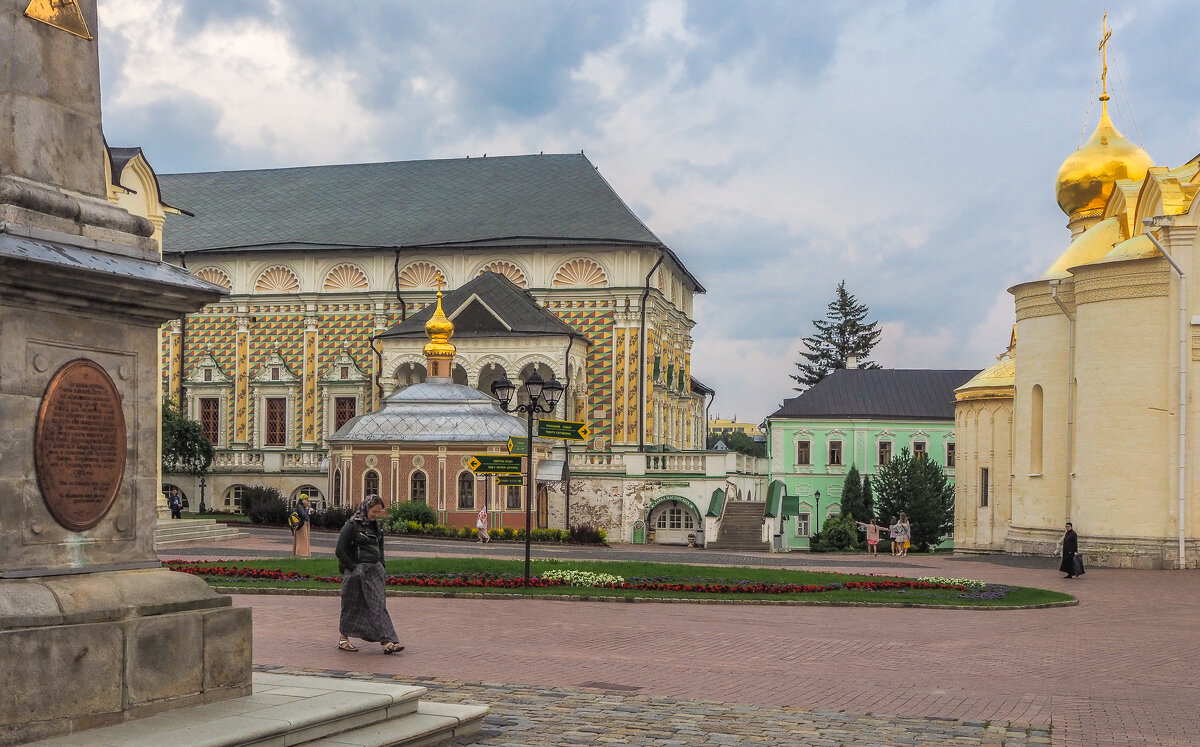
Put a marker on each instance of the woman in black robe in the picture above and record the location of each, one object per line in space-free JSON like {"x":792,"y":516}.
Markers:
{"x":1070,"y":548}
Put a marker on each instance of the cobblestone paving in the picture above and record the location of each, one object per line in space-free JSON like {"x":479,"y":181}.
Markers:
{"x":530,"y":716}
{"x":1121,"y":668}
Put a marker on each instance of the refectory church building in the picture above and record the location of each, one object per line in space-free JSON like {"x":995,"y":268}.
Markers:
{"x":324,"y":266}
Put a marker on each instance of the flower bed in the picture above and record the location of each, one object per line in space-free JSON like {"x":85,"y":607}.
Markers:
{"x":966,"y":583}
{"x":561,"y":578}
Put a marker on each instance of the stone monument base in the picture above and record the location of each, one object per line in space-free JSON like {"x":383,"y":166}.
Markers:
{"x":94,"y":649}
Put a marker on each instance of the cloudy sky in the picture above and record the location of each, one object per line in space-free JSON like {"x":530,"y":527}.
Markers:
{"x":909,"y":148}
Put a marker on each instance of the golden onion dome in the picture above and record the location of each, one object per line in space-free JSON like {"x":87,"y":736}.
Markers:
{"x":1088,"y":176}
{"x":1090,"y":246}
{"x":439,"y":329}
{"x":997,"y":381}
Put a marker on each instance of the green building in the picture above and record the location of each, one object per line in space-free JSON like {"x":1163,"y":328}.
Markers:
{"x":854,"y":418}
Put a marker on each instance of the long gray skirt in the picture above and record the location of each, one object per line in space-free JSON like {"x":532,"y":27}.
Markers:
{"x":364,"y":612}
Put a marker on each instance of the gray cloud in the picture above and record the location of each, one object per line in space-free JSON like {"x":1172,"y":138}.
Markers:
{"x":778,"y":147}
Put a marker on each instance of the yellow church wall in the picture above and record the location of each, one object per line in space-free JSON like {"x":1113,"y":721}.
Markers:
{"x":984,"y":439}
{"x":1040,"y":492}
{"x":1125,"y":403}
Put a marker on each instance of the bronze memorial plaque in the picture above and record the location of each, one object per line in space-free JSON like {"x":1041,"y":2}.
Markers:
{"x":79,"y":444}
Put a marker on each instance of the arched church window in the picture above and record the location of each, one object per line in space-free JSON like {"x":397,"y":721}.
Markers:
{"x":416,"y":487}
{"x":1035,"y":431}
{"x":466,"y":490}
{"x":370,"y":483}
{"x":337,"y":487}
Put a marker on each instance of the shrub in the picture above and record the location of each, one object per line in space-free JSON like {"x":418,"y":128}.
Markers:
{"x":334,"y":517}
{"x":264,"y":505}
{"x":416,"y":511}
{"x":838,"y":533}
{"x":509,"y":533}
{"x":586,"y":533}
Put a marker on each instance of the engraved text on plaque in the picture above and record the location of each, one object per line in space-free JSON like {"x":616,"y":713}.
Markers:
{"x":79,"y":445}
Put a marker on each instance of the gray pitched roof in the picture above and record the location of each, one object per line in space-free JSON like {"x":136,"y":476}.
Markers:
{"x":439,"y":204}
{"x":449,"y":202}
{"x":505,"y":310}
{"x":901,"y":394}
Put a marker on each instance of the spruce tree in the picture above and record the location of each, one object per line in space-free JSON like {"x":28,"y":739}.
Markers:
{"x":844,"y":332}
{"x":919,"y":488}
{"x":868,"y":497}
{"x":852,"y":497}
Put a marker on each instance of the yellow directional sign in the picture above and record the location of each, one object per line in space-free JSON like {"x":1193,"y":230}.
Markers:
{"x":506,"y":480}
{"x":518,"y":445}
{"x":565,"y":429}
{"x":494,"y":464}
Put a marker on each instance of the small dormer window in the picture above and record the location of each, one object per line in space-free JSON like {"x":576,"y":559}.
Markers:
{"x":208,"y":374}
{"x":345,"y":373}
{"x":274,"y":373}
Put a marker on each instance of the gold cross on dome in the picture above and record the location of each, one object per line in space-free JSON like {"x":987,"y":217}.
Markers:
{"x":1105,"y":35}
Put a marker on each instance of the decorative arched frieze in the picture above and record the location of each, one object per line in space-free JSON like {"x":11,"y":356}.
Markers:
{"x":580,"y":272}
{"x":277,"y":279}
{"x":508,"y":270}
{"x":216,"y":276}
{"x":676,"y":498}
{"x":541,"y":361}
{"x":345,"y":277}
{"x":420,"y":275}
{"x":490,"y":361}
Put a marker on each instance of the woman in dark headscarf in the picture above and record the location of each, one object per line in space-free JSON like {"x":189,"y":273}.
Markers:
{"x":360,"y":560}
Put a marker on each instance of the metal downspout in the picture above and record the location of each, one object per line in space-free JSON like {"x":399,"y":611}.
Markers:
{"x":642,"y":358}
{"x":566,"y":443}
{"x":1184,"y":354}
{"x":1070,"y":395}
{"x":182,"y":346}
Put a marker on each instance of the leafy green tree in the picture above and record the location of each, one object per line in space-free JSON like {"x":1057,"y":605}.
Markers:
{"x":918,"y":487}
{"x":852,"y":497}
{"x":868,"y":496}
{"x":184,"y":447}
{"x":739,"y":442}
{"x":844,"y":332}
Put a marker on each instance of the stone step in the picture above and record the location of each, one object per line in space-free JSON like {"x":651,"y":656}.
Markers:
{"x":296,"y":710}
{"x":432,"y":724}
{"x":176,"y":531}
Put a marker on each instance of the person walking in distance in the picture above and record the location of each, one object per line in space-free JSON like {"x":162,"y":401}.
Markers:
{"x":903,"y":534}
{"x":873,"y":531}
{"x":481,"y":523}
{"x":300,"y":535}
{"x":1070,"y":551}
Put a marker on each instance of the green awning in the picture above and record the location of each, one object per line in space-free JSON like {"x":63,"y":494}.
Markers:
{"x":791,"y":505}
{"x":717,"y":504}
{"x":775,"y":495}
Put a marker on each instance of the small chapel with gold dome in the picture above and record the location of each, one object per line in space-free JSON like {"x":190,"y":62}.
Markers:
{"x":1086,"y":416}
{"x":418,"y":444}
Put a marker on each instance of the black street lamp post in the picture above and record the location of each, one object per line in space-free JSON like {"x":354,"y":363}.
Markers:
{"x":817,"y":514}
{"x":202,"y":486}
{"x":537,"y":390}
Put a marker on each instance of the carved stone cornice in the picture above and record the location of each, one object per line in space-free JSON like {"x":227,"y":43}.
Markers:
{"x":1035,"y":300}
{"x":1135,"y":279}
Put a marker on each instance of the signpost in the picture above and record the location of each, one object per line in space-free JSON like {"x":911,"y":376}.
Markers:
{"x":565,"y":429}
{"x":518,"y":445}
{"x":508,"y":480}
{"x":494,"y":464}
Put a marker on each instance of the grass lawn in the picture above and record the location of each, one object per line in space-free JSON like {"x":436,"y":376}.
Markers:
{"x":434,"y":568}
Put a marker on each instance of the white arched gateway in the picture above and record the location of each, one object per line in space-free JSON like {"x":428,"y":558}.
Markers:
{"x":672,"y":518}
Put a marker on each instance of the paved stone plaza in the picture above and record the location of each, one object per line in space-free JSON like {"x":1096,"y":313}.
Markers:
{"x":1119,"y":668}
